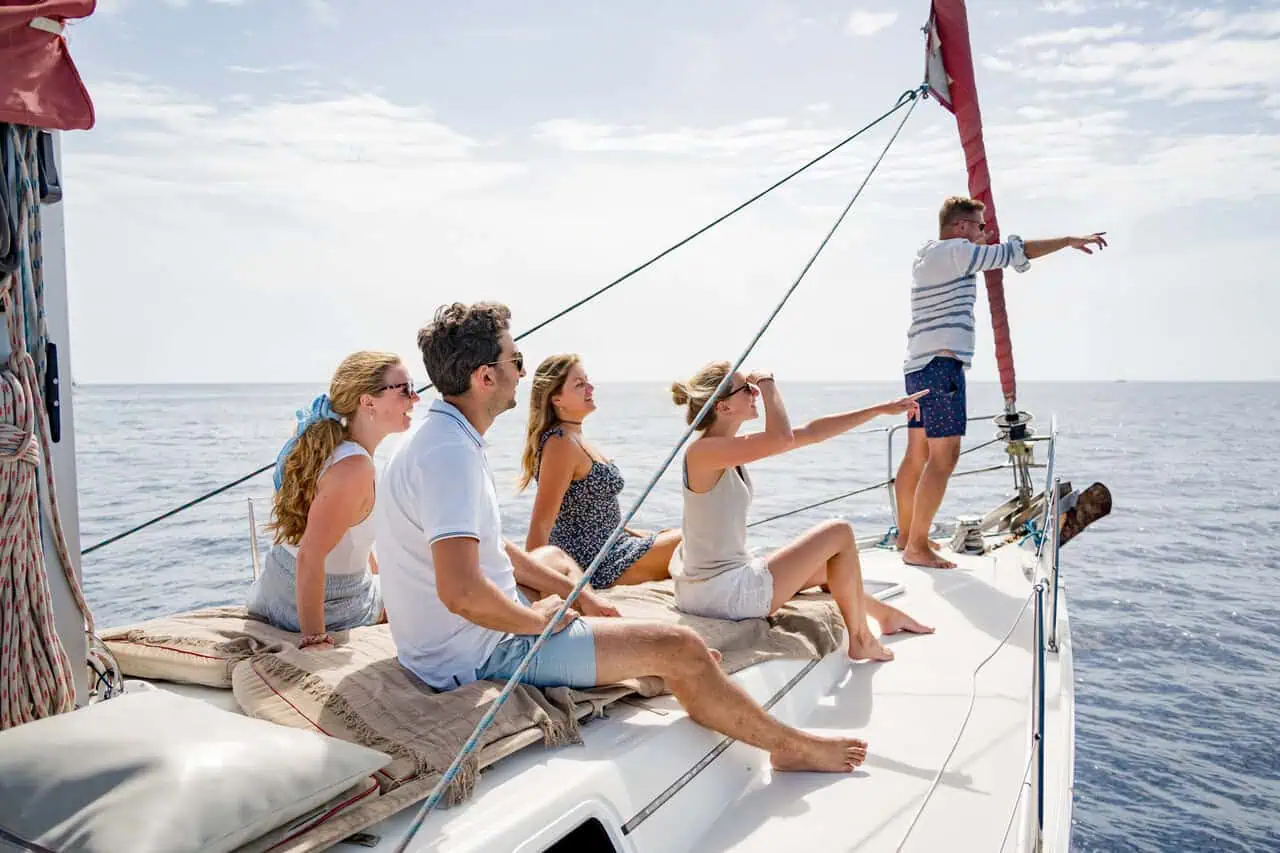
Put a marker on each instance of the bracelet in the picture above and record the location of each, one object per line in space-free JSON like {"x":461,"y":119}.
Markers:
{"x":315,"y":639}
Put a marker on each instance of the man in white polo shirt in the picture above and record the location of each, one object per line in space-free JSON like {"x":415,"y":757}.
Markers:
{"x":449,"y":579}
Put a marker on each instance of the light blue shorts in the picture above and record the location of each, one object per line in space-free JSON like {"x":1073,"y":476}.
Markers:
{"x":566,"y":659}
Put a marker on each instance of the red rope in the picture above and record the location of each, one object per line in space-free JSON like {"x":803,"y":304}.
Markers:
{"x":36,"y":675}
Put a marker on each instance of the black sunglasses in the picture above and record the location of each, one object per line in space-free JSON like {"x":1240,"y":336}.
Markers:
{"x":406,"y":388}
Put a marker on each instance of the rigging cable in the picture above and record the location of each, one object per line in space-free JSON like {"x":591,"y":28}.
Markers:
{"x":911,"y":96}
{"x":902,"y":101}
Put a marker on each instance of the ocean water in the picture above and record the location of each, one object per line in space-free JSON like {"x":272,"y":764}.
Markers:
{"x":1175,"y":597}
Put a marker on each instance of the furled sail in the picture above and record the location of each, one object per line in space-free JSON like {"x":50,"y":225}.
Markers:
{"x":949,"y":76}
{"x":42,"y":87}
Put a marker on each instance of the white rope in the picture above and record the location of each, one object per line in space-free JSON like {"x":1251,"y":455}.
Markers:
{"x":36,"y":675}
{"x":973,"y":697}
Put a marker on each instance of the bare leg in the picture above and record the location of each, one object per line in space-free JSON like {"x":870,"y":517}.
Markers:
{"x":944,"y":453}
{"x":627,"y":649}
{"x":653,"y":565}
{"x":904,"y":485}
{"x":827,"y":554}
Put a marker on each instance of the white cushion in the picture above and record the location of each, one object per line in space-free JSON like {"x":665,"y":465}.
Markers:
{"x":153,"y":771}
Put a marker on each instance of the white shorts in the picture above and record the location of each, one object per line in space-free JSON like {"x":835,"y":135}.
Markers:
{"x":742,"y":593}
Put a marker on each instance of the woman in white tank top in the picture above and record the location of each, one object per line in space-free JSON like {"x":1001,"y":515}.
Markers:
{"x":714,"y":573}
{"x":321,"y":574}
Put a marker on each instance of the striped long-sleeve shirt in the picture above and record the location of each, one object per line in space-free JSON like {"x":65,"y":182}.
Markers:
{"x":943,"y":292}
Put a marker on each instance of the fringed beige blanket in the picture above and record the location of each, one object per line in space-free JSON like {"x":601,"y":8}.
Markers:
{"x":359,"y":692}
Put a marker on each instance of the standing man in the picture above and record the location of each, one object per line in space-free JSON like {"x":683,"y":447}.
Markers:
{"x":940,"y":347}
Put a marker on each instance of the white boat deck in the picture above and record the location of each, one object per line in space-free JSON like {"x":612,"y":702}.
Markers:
{"x":909,"y":710}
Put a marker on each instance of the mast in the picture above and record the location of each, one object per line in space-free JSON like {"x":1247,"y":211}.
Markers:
{"x":949,"y":75}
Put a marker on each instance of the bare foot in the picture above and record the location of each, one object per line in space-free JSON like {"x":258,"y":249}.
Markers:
{"x":925,"y":558}
{"x":895,"y":621}
{"x":825,"y":755}
{"x":901,"y":543}
{"x":864,"y":646}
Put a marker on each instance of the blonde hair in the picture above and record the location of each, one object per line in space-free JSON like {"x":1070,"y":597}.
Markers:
{"x":360,"y":373}
{"x":956,"y":206}
{"x":695,"y":391}
{"x":548,"y":381}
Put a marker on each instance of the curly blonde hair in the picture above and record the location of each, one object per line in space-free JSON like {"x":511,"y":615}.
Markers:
{"x":360,"y":373}
{"x":695,"y":391}
{"x":548,"y":381}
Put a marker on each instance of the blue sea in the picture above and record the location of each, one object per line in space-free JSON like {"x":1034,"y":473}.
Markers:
{"x":1175,"y":597}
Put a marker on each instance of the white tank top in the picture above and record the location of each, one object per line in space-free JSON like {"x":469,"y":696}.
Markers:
{"x":351,"y":555}
{"x":715,"y":527}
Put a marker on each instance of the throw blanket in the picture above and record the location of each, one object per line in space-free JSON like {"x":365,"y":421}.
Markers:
{"x":359,"y":692}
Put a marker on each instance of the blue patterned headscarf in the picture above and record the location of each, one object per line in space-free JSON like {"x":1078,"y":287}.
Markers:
{"x":320,"y":411}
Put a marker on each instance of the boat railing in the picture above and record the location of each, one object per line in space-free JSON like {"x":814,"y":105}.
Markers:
{"x":1030,"y":797}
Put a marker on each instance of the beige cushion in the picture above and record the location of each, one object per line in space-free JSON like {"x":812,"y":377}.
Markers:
{"x":199,"y":647}
{"x":153,"y":772}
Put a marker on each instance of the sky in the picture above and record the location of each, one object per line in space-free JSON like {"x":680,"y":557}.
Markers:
{"x":271,"y":185}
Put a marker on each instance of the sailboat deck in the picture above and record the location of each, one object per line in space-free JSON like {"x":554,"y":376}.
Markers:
{"x":909,"y":710}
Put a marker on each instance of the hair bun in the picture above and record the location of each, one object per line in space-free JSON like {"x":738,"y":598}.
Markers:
{"x":679,"y":393}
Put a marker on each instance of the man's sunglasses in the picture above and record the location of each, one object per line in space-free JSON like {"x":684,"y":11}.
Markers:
{"x":517,"y":360}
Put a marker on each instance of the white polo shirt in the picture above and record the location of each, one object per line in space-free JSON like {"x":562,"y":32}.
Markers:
{"x":438,"y":486}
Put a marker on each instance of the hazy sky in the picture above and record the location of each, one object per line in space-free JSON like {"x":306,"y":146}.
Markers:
{"x":271,"y":185}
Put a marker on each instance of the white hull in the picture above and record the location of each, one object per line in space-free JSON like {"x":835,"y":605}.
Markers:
{"x":909,"y":710}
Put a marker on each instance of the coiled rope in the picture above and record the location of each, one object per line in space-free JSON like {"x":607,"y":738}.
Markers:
{"x":911,"y":97}
{"x":556,"y":316}
{"x":36,"y":676}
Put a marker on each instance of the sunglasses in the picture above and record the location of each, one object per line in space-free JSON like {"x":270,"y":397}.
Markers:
{"x":405,"y":388}
{"x":982,"y":226}
{"x":517,"y":360}
{"x":743,"y":387}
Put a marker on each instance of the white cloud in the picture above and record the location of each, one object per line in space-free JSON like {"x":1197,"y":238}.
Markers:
{"x":281,"y":233}
{"x":1066,"y":7}
{"x":760,"y":134}
{"x":323,"y":12}
{"x":1076,"y":35}
{"x":1210,"y":56}
{"x":864,"y":23}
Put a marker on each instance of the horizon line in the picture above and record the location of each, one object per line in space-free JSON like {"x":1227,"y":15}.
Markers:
{"x":994,"y":381}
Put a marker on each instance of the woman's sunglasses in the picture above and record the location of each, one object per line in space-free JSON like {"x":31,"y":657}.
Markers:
{"x":743,"y":387}
{"x":405,"y":388}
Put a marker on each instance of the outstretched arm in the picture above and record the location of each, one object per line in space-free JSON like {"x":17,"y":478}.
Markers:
{"x":1040,"y":248}
{"x":820,"y":429}
{"x":969,"y":258}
